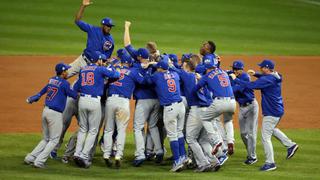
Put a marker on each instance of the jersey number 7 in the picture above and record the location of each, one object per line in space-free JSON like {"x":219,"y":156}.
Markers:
{"x":51,"y":93}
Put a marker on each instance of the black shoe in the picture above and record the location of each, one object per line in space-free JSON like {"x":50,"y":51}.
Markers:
{"x":108,"y":162}
{"x":138,"y":162}
{"x":159,"y":158}
{"x":117,"y":162}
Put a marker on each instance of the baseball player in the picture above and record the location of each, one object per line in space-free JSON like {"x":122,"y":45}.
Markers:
{"x":219,"y":85}
{"x":90,"y":85}
{"x":167,"y":86}
{"x":248,"y":112}
{"x":269,"y":82}
{"x":194,"y":125}
{"x":57,"y":91}
{"x":118,"y":108}
{"x":147,"y":104}
{"x":98,"y":39}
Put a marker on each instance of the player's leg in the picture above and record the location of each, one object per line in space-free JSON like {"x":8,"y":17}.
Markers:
{"x":243,"y":124}
{"x":109,"y":122}
{"x":219,"y":127}
{"x":122,"y":120}
{"x":70,"y":147}
{"x":268,"y":125}
{"x":180,"y":126}
{"x":142,"y":111}
{"x":30,"y":158}
{"x":94,"y":118}
{"x":153,"y":129}
{"x":83,"y":125}
{"x":229,"y":109}
{"x":252,"y":124}
{"x":204,"y":143}
{"x":76,"y":66}
{"x":54,"y":123}
{"x":193,"y":128}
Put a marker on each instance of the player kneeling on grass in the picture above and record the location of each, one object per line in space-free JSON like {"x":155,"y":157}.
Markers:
{"x":91,"y":86}
{"x":57,"y":91}
{"x":167,"y":87}
{"x":269,"y":82}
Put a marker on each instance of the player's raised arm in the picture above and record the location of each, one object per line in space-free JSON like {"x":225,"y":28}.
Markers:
{"x":126,"y":38}
{"x":79,"y":14}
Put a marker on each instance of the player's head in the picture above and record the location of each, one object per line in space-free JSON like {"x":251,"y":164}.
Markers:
{"x":62,"y":70}
{"x":174,"y":59}
{"x":143,"y":55}
{"x":163,"y":64}
{"x":266,"y":66}
{"x":237,"y":67}
{"x":210,"y":62}
{"x":126,"y":60}
{"x":208,"y":47}
{"x":191,"y":65}
{"x":106,"y":25}
{"x":154,"y":53}
{"x":98,"y":58}
{"x":120,"y":52}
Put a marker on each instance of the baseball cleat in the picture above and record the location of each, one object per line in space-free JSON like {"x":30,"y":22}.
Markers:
{"x":222,"y":159}
{"x":65,"y":160}
{"x":53,"y":155}
{"x":27,"y":162}
{"x":40,"y":166}
{"x":215,"y":167}
{"x":117,"y":162}
{"x":230,"y":148}
{"x":159,"y":158}
{"x":205,"y":168}
{"x":268,"y":167}
{"x":177,"y":167}
{"x":86,"y":163}
{"x":216,"y":148}
{"x":149,"y":156}
{"x":108,"y":162}
{"x":250,"y":161}
{"x":292,"y":150}
{"x":138,"y":162}
{"x":78,"y":161}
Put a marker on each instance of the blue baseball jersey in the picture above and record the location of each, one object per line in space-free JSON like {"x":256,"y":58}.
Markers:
{"x":242,"y":94}
{"x":96,"y":40}
{"x":92,"y":77}
{"x":270,"y":86}
{"x":126,"y":83}
{"x":133,"y":52}
{"x":167,"y":86}
{"x":217,"y":82}
{"x":57,"y":91}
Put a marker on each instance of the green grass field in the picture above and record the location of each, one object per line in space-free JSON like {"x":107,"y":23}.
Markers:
{"x":248,"y":27}
{"x":304,"y":165}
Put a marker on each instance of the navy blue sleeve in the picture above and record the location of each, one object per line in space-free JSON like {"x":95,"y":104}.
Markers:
{"x":137,"y":77}
{"x":258,"y":84}
{"x":202,"y":82}
{"x":43,"y":91}
{"x":83,"y":25}
{"x":257,"y":75}
{"x":110,"y":74}
{"x":133,"y":52}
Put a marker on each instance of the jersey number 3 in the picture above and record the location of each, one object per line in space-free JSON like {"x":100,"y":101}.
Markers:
{"x":171,"y":85}
{"x":87,"y":79}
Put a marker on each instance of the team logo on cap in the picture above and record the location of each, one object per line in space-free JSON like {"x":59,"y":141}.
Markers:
{"x":207,"y":61}
{"x":107,"y":45}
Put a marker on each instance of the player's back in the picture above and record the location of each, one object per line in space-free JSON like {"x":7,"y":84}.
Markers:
{"x":219,"y":83}
{"x":56,"y":93}
{"x":167,"y":87}
{"x":124,"y":85}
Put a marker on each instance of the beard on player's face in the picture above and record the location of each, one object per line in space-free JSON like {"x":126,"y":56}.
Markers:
{"x":106,"y":29}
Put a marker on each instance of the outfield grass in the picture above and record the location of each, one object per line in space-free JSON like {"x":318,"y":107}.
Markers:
{"x":304,"y":165}
{"x":249,"y":27}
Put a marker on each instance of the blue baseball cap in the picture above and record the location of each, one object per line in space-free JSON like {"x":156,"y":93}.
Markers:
{"x":62,"y":67}
{"x":121,"y":52}
{"x":126,"y":58}
{"x":267,"y":64}
{"x":173,"y":58}
{"x":185,"y":57}
{"x":143,"y":52}
{"x":238,"y":64}
{"x":210,"y":61}
{"x":163,"y":63}
{"x":102,"y":57}
{"x":107,"y":22}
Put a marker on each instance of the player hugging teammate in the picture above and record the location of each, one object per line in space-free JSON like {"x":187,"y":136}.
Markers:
{"x":181,"y":101}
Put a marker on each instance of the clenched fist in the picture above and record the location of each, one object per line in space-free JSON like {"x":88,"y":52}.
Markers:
{"x":86,"y":2}
{"x":233,"y":76}
{"x":251,"y":72}
{"x":127,"y":24}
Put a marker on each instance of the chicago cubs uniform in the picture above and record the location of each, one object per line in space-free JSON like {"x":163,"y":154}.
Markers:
{"x":272,"y":109}
{"x":90,"y":85}
{"x":56,"y":92}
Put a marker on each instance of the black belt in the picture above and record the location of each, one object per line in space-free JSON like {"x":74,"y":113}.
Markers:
{"x":86,"y":59}
{"x":173,"y":103}
{"x":118,"y":95}
{"x":221,"y":98}
{"x":246,"y":104}
{"x":88,"y":95}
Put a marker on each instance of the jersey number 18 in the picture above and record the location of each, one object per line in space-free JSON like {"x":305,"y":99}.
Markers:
{"x":87,"y":79}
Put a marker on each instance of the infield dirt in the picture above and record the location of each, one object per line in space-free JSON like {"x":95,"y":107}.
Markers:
{"x":23,"y":76}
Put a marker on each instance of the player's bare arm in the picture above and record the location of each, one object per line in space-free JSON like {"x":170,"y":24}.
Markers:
{"x":126,"y":38}
{"x":79,"y":14}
